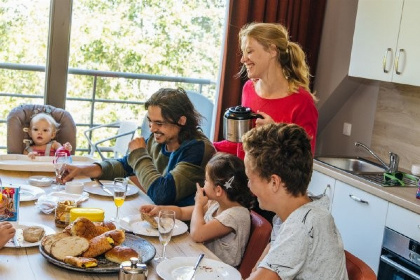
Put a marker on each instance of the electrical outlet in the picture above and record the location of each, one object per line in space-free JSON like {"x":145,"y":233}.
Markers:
{"x":347,"y":129}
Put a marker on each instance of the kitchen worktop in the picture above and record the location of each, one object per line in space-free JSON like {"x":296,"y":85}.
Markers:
{"x":401,"y":196}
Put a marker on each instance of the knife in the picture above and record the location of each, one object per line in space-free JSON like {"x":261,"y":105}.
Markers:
{"x":103,"y":187}
{"x":16,"y":241}
{"x":196,"y":265}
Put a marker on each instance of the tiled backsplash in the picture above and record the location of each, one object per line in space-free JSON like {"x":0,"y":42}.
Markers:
{"x":397,"y":123}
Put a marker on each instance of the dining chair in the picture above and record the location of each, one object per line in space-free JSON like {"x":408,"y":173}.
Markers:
{"x":117,"y":144}
{"x":202,"y":104}
{"x":18,"y":121}
{"x":258,"y":240}
{"x":357,"y":269}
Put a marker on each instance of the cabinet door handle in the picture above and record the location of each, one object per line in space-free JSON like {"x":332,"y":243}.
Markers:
{"x":397,"y":60}
{"x":326,"y":189}
{"x":358,"y":199}
{"x":385,"y":59}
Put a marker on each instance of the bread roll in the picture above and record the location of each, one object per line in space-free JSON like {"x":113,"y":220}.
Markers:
{"x":33,"y":234}
{"x":84,"y":227}
{"x":102,"y":227}
{"x":69,"y":246}
{"x":151,"y":220}
{"x":98,"y":245}
{"x":48,"y":240}
{"x":119,"y":254}
{"x":81,"y":262}
{"x":117,"y":235}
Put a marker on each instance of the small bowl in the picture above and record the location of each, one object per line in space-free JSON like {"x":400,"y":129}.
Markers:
{"x":40,"y":181}
{"x":74,"y":187}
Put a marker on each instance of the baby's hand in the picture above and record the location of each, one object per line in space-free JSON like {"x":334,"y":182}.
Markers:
{"x":68,"y":146}
{"x":32,"y":155}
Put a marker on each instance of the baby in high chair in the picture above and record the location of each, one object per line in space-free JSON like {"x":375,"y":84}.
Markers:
{"x":42,"y":130}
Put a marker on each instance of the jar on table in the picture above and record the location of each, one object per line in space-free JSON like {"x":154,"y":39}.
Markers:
{"x":62,"y":212}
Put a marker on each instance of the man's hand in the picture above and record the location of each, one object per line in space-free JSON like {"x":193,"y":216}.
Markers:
{"x":137,"y":143}
{"x":89,"y":170}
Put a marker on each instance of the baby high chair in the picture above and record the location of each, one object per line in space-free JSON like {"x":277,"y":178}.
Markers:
{"x":18,"y":123}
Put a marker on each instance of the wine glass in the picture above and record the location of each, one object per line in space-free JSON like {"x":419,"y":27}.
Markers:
{"x":120,"y":191}
{"x":166,"y":225}
{"x":60,"y":161}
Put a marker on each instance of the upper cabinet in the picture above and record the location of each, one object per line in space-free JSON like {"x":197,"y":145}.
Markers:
{"x":386,"y":41}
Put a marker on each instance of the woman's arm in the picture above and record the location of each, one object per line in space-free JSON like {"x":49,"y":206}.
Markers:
{"x":181,"y":213}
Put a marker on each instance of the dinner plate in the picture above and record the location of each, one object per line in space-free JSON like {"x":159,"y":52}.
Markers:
{"x":94,"y":188}
{"x":179,"y":268}
{"x":24,"y":243}
{"x":135,"y":224}
{"x":40,"y":164}
{"x":145,"y":249}
{"x":40,"y":181}
{"x":29,"y":193}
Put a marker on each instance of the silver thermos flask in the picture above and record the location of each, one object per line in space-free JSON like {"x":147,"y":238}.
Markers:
{"x":132,"y":270}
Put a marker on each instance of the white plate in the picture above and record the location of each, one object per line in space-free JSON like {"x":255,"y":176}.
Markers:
{"x":70,"y":196}
{"x":179,"y":268}
{"x":94,"y":188}
{"x":24,"y":243}
{"x":40,"y":181}
{"x":29,"y":193}
{"x":135,"y":224}
{"x":40,"y":164}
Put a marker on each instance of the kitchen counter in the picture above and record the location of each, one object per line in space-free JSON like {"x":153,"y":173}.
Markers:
{"x":401,"y":196}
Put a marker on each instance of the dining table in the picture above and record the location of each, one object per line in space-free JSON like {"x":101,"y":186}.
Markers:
{"x":29,"y":263}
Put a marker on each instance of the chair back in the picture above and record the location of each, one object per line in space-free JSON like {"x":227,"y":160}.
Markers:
{"x":258,"y":240}
{"x":357,"y":269}
{"x":121,"y":144}
{"x":18,"y":121}
{"x":202,"y":104}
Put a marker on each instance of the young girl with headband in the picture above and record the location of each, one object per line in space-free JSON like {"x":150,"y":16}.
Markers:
{"x":220,"y":217}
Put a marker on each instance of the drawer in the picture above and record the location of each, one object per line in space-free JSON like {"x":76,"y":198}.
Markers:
{"x":403,"y":221}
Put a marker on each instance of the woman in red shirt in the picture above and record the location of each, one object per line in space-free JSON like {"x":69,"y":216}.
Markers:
{"x":278,"y":85}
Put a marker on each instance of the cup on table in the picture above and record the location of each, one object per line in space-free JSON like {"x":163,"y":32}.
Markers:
{"x":74,"y":187}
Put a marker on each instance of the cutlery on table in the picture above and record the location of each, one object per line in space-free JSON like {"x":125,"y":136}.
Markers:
{"x":200,"y":257}
{"x":103,"y":187}
{"x":19,"y":232}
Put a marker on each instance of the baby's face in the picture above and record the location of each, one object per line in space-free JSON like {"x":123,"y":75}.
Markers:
{"x":42,"y":132}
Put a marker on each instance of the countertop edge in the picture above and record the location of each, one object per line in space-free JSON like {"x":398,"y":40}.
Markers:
{"x":403,"y":197}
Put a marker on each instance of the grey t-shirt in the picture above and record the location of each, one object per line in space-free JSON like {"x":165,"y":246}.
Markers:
{"x":308,"y":246}
{"x":231,"y":247}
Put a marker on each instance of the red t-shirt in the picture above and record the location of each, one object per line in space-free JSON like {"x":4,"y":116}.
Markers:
{"x":298,"y":108}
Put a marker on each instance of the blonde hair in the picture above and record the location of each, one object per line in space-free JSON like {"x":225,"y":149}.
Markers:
{"x":45,"y":117}
{"x":290,"y":55}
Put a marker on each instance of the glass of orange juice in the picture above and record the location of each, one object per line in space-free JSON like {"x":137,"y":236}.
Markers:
{"x":120,"y":191}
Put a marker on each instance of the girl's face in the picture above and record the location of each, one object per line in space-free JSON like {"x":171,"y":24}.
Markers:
{"x":255,"y":58}
{"x":209,"y":187}
{"x":41,"y":132}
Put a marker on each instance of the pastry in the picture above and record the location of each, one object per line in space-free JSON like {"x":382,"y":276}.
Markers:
{"x":117,"y":235}
{"x":151,"y":220}
{"x":81,"y":262}
{"x":98,"y":245}
{"x":69,"y":246}
{"x":119,"y":254}
{"x":33,"y":233}
{"x":84,"y":227}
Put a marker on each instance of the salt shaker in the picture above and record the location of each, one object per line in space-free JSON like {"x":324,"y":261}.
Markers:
{"x":132,"y":270}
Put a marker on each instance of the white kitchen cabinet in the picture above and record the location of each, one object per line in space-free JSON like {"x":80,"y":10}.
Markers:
{"x":360,"y":218}
{"x":403,"y":221}
{"x":386,"y":32}
{"x":322,"y":184}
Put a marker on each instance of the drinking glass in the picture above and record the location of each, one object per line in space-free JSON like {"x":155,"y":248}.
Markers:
{"x":60,"y":161}
{"x":166,"y":225}
{"x":120,"y":191}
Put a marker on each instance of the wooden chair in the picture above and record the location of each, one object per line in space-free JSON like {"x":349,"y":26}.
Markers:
{"x":258,"y":240}
{"x":357,"y":269}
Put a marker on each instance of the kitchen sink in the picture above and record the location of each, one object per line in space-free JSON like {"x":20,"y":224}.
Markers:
{"x":354,"y":165}
{"x":367,"y":170}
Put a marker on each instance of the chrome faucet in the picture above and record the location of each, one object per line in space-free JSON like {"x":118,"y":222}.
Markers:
{"x":393,"y":158}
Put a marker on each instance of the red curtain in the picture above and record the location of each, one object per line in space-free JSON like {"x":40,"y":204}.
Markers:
{"x":303,"y":19}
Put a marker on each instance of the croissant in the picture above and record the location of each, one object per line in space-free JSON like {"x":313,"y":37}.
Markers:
{"x":81,"y":262}
{"x":98,"y":245}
